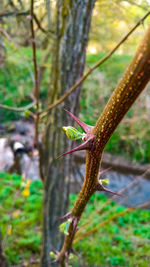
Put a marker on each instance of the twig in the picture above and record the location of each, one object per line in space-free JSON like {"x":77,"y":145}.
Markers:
{"x":18,"y":109}
{"x":88,"y":221}
{"x":135,"y":180}
{"x":5,"y":33}
{"x":91,"y":69}
{"x":39,"y":25}
{"x":36,"y":85}
{"x":16,"y":14}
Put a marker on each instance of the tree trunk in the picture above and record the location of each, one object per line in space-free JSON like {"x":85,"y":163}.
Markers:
{"x":73,"y":23}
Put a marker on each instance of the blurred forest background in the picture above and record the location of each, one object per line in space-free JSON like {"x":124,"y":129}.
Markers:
{"x":110,"y":21}
{"x":119,"y":231}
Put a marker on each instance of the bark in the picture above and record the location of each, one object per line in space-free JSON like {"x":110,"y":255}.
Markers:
{"x":73,"y":23}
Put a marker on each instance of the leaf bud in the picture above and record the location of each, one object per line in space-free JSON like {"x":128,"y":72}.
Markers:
{"x":73,"y":134}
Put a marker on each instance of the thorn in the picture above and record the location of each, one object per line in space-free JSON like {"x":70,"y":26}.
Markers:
{"x":66,"y":216}
{"x":86,"y":145}
{"x":102,"y":188}
{"x":86,"y":128}
{"x":106,"y":170}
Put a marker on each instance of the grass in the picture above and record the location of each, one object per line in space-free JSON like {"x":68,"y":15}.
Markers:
{"x":121,"y":238}
{"x":20,"y":218}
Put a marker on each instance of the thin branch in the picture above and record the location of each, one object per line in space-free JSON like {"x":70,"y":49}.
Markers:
{"x":36,"y":85}
{"x":38,"y":23}
{"x":40,"y":27}
{"x":18,"y":109}
{"x":5,"y":33}
{"x":90,"y":70}
{"x":15,"y":14}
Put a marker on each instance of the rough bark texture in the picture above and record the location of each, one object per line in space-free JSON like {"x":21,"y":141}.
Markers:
{"x":131,"y":85}
{"x":73,"y":23}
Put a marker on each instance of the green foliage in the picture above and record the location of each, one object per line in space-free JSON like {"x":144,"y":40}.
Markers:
{"x":20,"y":217}
{"x":16,"y":80}
{"x":122,"y":240}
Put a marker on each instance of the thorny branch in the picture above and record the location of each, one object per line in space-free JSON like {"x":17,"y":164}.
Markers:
{"x":126,"y":188}
{"x":91,"y":69}
{"x":131,"y":85}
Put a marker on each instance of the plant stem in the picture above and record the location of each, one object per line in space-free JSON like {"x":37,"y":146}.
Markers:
{"x":131,"y":85}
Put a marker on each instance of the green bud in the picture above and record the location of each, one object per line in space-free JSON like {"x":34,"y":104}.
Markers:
{"x":52,"y":255}
{"x":64,"y":227}
{"x":104,"y":181}
{"x":73,"y":134}
{"x":27,"y":113}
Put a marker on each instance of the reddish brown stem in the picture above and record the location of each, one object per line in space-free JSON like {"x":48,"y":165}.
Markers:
{"x":131,"y":85}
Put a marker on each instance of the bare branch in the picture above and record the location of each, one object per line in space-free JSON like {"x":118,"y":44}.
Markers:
{"x":14,"y":14}
{"x":38,"y":23}
{"x":18,"y":109}
{"x":5,"y":33}
{"x":36,"y":85}
{"x":90,"y":70}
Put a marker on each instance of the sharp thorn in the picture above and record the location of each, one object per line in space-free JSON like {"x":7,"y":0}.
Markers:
{"x":84,"y":146}
{"x":86,"y":128}
{"x":112,"y":192}
{"x":66,"y":216}
{"x":102,"y":188}
{"x":103,"y":171}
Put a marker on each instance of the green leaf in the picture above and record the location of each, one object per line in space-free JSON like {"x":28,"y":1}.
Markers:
{"x":52,"y":255}
{"x":104,"y":181}
{"x":64,"y":227}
